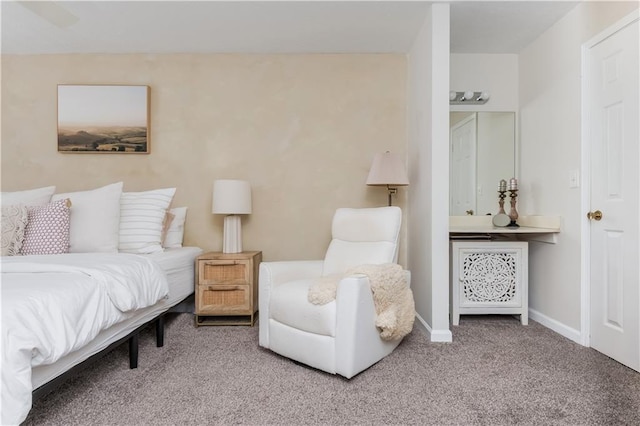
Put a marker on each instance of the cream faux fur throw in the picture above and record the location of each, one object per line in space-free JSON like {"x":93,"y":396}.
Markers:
{"x":392,"y":297}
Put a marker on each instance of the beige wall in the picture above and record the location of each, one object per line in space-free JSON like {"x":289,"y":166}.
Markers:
{"x":302,"y":129}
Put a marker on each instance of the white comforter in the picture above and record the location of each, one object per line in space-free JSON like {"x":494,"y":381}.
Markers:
{"x":53,"y":305}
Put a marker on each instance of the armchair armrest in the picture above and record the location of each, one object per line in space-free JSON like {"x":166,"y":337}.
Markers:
{"x":358,"y":341}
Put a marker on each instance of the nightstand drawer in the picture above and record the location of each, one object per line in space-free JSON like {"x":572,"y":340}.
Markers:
{"x":224,"y":272}
{"x":221,"y":299}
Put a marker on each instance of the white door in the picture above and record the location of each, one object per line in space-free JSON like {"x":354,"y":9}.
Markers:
{"x":612,"y":96}
{"x":463,"y":167}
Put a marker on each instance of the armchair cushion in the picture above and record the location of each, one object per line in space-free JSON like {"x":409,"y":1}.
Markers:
{"x":343,"y":255}
{"x":289,"y":306}
{"x":362,"y":236}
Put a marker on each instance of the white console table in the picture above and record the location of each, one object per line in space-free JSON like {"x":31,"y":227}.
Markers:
{"x":489,"y":265}
{"x":489,"y":277}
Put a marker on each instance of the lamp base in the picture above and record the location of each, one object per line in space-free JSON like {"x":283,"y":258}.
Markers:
{"x":232,"y":237}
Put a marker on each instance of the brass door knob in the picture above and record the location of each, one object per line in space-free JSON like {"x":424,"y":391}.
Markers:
{"x":597,"y":215}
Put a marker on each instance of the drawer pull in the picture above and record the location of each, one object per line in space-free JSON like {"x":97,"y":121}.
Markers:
{"x":228,"y":263}
{"x":224,"y":287}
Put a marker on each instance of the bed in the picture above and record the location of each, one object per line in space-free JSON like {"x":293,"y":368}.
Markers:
{"x":88,"y":308}
{"x":83,"y":272}
{"x":178,"y":264}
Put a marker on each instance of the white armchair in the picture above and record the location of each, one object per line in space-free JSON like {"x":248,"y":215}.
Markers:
{"x":339,"y":337}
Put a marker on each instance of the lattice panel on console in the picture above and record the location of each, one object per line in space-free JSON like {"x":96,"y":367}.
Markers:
{"x":489,"y":277}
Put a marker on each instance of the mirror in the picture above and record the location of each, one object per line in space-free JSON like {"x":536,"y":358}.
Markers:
{"x":482,"y":148}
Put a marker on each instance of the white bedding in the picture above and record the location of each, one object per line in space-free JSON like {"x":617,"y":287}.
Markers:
{"x":178,"y":264}
{"x":41,"y":322}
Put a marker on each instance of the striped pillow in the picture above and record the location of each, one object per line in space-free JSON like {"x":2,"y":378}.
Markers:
{"x":141,"y":217}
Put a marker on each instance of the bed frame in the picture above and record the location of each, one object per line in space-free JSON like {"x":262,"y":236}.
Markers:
{"x":184,"y":306}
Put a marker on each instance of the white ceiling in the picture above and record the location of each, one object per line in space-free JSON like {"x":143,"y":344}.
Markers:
{"x":265,"y":26}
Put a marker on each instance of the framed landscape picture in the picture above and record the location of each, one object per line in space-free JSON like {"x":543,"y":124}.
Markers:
{"x":103,"y":119}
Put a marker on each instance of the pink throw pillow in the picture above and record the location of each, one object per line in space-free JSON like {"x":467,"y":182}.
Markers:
{"x":47,"y":230}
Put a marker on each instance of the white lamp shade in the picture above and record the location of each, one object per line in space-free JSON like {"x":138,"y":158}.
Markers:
{"x":387,"y":169}
{"x":231,"y":197}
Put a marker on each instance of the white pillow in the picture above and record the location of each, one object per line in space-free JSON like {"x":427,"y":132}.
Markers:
{"x":141,"y":217}
{"x":95,"y":219}
{"x":30,"y":197}
{"x":175,"y":233}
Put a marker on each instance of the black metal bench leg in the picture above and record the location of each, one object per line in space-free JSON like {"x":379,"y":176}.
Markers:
{"x":133,"y":351}
{"x":160,"y":331}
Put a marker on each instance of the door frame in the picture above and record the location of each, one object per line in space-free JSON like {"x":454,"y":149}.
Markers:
{"x":585,"y":184}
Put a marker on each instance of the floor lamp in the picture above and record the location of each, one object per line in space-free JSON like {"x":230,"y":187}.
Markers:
{"x":388,"y":170}
{"x":233,"y":198}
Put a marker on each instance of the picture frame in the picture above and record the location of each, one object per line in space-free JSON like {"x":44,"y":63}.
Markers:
{"x":103,"y":119}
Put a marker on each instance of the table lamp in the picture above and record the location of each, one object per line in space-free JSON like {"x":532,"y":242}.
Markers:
{"x":233,"y":198}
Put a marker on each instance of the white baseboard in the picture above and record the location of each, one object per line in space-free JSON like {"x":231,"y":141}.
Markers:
{"x":558,"y":327}
{"x":442,"y":336}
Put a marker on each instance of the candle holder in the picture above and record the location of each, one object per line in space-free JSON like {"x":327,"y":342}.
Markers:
{"x":513,"y":214}
{"x":502,"y":194}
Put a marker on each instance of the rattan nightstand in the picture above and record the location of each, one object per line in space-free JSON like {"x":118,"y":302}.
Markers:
{"x":227,"y":288}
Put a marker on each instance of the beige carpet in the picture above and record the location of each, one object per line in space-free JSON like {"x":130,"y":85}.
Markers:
{"x":496,"y":372}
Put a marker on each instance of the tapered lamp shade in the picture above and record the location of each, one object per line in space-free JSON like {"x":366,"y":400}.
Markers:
{"x":387,"y":169}
{"x":233,"y":198}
